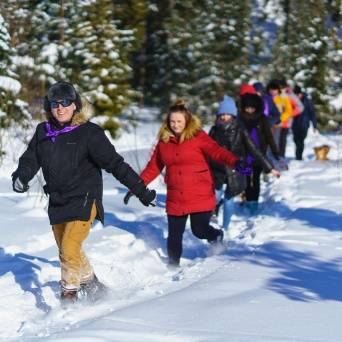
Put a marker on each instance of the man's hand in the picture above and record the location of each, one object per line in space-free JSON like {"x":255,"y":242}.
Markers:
{"x":18,"y":185}
{"x":147,"y":197}
{"x":275,"y":173}
{"x":127,"y":197}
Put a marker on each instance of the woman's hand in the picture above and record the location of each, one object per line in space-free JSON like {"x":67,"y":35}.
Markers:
{"x":275,"y":173}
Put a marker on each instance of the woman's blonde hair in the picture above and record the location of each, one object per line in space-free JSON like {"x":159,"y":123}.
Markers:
{"x":192,"y":123}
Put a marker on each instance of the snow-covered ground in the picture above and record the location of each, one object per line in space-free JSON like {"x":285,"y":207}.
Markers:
{"x":278,"y":277}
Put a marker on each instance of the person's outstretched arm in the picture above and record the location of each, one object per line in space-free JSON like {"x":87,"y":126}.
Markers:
{"x":28,"y":166}
{"x":103,"y":153}
{"x":256,"y":153}
{"x":153,"y":168}
{"x":217,"y":153}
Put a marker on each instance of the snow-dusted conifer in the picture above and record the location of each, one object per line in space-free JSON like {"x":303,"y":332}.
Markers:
{"x":100,"y":50}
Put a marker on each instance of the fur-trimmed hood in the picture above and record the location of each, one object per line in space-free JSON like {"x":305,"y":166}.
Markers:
{"x":193,"y":127}
{"x":78,"y":118}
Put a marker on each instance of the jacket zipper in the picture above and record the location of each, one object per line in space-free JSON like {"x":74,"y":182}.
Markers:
{"x":86,"y":199}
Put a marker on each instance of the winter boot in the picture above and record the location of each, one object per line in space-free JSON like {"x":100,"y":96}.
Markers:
{"x":219,"y":238}
{"x":93,"y":290}
{"x":173,"y":264}
{"x":252,"y":207}
{"x":69,"y":297}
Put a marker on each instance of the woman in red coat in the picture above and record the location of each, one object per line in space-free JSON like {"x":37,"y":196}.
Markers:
{"x":183,"y":148}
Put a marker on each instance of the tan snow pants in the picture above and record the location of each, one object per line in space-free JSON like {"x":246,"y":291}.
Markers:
{"x":75,"y":267}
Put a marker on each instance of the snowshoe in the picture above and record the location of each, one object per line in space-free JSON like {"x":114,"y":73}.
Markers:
{"x":93,"y":290}
{"x":68,"y":297}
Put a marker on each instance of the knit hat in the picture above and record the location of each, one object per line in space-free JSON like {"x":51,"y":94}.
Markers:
{"x":273,"y":84}
{"x":259,"y":87}
{"x":246,"y":89}
{"x":252,"y":100}
{"x":227,"y":106}
{"x":62,"y":91}
{"x":297,"y":90}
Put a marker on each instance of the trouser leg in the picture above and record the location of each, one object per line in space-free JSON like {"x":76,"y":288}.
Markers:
{"x":228,"y":210}
{"x":282,"y":141}
{"x":201,"y":228}
{"x":218,"y":195}
{"x":75,"y":267}
{"x":253,"y":184}
{"x":298,"y":139}
{"x":176,"y":227}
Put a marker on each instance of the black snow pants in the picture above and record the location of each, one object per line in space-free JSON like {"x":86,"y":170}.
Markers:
{"x":298,"y":138}
{"x":200,"y":227}
{"x":282,"y":141}
{"x":252,"y":191}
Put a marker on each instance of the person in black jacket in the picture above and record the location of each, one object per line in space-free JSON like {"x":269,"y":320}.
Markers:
{"x":71,"y":152}
{"x":230,"y":133}
{"x":259,"y":131}
{"x":301,"y":123}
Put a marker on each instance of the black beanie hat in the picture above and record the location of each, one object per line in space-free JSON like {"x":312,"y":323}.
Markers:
{"x":273,"y":84}
{"x":252,"y":100}
{"x":62,"y":91}
{"x":297,"y":90}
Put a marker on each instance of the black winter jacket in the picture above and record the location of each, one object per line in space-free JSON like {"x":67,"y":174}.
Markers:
{"x":265,"y":135}
{"x":71,"y":167}
{"x":236,"y":139}
{"x":301,"y":122}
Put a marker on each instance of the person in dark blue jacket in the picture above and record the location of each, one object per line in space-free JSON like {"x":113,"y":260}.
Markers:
{"x":301,"y":123}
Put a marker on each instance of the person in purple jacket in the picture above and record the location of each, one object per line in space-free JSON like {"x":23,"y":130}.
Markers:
{"x":252,"y":118}
{"x":270,"y":109}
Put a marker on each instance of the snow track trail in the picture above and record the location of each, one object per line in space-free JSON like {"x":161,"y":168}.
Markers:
{"x":277,"y":277}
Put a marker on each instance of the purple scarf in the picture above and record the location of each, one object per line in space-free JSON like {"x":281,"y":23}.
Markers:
{"x":266,"y":106}
{"x":253,"y":133}
{"x":51,"y":133}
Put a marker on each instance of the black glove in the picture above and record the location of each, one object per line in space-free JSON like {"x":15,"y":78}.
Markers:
{"x":17,"y":184}
{"x":127,"y":197}
{"x":147,"y":197}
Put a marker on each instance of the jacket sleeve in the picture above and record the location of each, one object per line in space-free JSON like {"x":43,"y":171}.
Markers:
{"x":287,"y":109}
{"x":257,"y":154}
{"x":103,"y":153}
{"x":29,"y":162}
{"x":270,"y":140}
{"x":217,"y":153}
{"x":153,"y":168}
{"x":274,"y":113}
{"x":312,"y":113}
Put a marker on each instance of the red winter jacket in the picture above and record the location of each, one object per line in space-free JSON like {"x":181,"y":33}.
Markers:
{"x":190,"y":186}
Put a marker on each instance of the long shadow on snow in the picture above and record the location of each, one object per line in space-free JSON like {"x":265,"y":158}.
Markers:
{"x":302,"y":276}
{"x":24,"y":272}
{"x":314,"y":217}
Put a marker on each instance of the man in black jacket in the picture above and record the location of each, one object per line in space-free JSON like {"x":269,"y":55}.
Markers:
{"x":71,"y":152}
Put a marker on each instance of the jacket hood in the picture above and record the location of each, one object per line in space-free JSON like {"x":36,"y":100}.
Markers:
{"x":78,"y":118}
{"x":193,"y":127}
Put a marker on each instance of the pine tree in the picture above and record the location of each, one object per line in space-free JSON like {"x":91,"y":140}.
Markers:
{"x":132,"y":15}
{"x":199,"y":50}
{"x":100,"y":54}
{"x":11,"y":108}
{"x":302,"y":52}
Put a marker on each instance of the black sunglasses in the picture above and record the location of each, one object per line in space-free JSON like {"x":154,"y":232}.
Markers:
{"x":64,"y":103}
